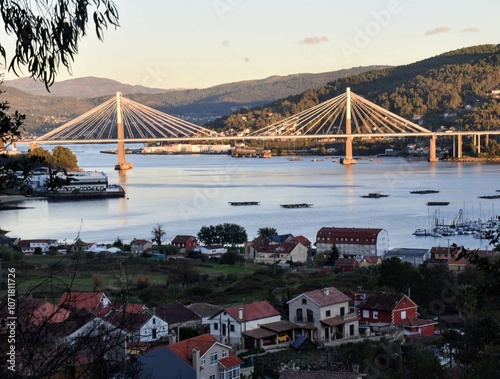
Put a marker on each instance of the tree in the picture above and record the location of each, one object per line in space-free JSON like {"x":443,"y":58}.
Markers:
{"x":64,"y":159}
{"x":158,"y":233}
{"x":223,"y":234}
{"x":267,"y":232}
{"x":333,"y":256}
{"x":47,"y":35}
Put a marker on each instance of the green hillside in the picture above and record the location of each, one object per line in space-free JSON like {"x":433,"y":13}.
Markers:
{"x":45,"y":112}
{"x":452,"y":89}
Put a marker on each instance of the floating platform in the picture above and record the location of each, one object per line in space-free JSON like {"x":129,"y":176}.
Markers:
{"x":438,"y":203}
{"x":489,"y":197}
{"x":301,"y":205}
{"x":423,"y":192}
{"x":238,"y":203}
{"x":374,"y":195}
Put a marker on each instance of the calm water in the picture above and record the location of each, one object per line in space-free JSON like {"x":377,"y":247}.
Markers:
{"x":184,"y":193}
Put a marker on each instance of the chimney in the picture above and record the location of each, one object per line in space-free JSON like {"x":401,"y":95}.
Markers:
{"x":240,"y":313}
{"x":196,"y":361}
{"x":326,"y":291}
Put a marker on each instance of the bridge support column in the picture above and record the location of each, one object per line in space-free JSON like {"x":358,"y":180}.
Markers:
{"x":459,"y":146}
{"x":348,"y":160}
{"x":122,"y":163}
{"x":432,"y":149}
{"x":478,"y":145}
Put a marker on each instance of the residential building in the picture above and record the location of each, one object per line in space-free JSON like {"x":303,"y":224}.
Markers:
{"x":323,"y":315}
{"x":272,"y":251}
{"x":96,"y":302}
{"x":140,"y":327}
{"x":414,"y":256}
{"x":346,"y":264}
{"x":228,"y":324}
{"x":139,"y":247}
{"x":185,"y":243}
{"x":28,"y":247}
{"x":377,"y":307}
{"x":210,"y":359}
{"x":205,"y":311}
{"x":353,"y":241}
{"x":381,"y":311}
{"x":178,"y":316}
{"x":370,"y":260}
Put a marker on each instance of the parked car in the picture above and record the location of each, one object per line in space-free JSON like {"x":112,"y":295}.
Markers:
{"x":283,"y":337}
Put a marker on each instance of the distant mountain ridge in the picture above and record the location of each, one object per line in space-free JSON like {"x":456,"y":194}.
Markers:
{"x":71,"y":98}
{"x":86,"y":87}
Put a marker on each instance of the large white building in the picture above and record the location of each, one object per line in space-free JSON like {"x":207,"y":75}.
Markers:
{"x":353,"y":241}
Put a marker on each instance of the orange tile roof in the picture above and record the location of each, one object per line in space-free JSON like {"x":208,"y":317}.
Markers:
{"x":184,"y":349}
{"x":253,"y":311}
{"x":230,"y":361}
{"x":80,"y":300}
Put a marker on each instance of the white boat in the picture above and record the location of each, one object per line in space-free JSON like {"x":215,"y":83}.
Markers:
{"x":421,"y":232}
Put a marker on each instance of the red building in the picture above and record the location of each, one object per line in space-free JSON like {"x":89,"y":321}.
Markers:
{"x":385,"y":309}
{"x":346,"y":264}
{"x":185,"y":242}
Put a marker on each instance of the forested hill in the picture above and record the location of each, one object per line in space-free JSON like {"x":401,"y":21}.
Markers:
{"x":452,"y":90}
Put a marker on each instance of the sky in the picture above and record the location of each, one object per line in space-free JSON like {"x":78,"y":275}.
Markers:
{"x":202,"y":43}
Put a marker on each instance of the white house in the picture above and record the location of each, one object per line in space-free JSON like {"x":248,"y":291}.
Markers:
{"x":228,"y":324}
{"x":140,"y":327}
{"x":327,"y":310}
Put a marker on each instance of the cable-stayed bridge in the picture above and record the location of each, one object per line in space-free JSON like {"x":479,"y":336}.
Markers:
{"x":346,"y":116}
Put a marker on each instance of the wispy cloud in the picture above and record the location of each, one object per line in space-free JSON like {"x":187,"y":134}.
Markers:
{"x":441,"y":29}
{"x":313,"y":40}
{"x":469,"y":30}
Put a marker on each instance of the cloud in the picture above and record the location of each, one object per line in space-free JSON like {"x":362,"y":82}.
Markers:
{"x":469,"y":30}
{"x":441,"y":29}
{"x":313,"y":40}
{"x":226,"y":43}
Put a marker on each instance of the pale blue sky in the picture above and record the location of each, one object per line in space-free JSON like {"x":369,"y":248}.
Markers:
{"x":201,"y":43}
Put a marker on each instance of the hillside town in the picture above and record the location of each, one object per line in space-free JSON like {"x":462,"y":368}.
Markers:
{"x":145,"y":339}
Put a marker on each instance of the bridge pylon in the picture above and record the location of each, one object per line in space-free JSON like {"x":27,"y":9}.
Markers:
{"x":348,"y":159}
{"x":122,"y":162}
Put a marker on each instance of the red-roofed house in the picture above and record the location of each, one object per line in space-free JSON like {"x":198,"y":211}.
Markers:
{"x":33,"y":312}
{"x":346,"y":264}
{"x":370,"y":260}
{"x":323,"y":315}
{"x":95,"y":302}
{"x":210,"y":358}
{"x":28,"y":246}
{"x":185,"y":243}
{"x":379,"y":310}
{"x":353,"y":241}
{"x":265,"y":250}
{"x":139,"y":247}
{"x":228,"y":324}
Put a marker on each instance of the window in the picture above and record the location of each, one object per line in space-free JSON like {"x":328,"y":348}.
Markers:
{"x":224,"y":353}
{"x":403,"y":315}
{"x":328,"y":313}
{"x":203,"y":361}
{"x":366,"y":313}
{"x":154,"y":321}
{"x":232,"y":328}
{"x":298,"y":316}
{"x":375,"y":314}
{"x":216,"y":326}
{"x":342,"y":311}
{"x":154,"y":333}
{"x":304,"y":301}
{"x":212,"y":376}
{"x":213,"y":359}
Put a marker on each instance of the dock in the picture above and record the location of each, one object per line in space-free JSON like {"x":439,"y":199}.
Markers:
{"x":301,"y":205}
{"x":238,"y":203}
